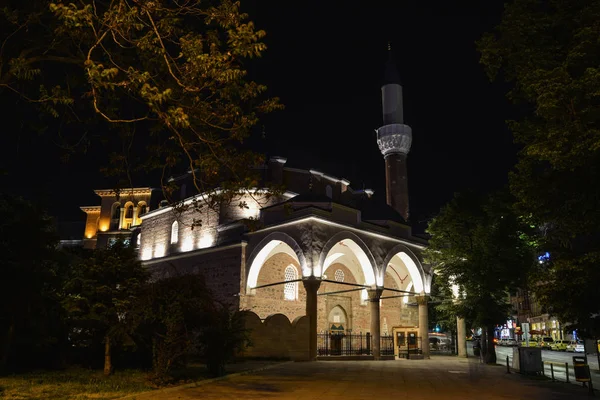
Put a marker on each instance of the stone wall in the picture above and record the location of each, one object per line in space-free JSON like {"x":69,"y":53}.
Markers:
{"x":276,"y":337}
{"x":270,"y":300}
{"x":221,"y":270}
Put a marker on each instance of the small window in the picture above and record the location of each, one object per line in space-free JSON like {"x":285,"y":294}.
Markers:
{"x":339,"y":275}
{"x":290,"y":289}
{"x":143,"y":210}
{"x":329,"y":191}
{"x":139,"y":239}
{"x":174,"y":232}
{"x":129,"y":211}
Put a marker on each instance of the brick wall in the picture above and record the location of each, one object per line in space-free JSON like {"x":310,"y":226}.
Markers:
{"x":270,"y":300}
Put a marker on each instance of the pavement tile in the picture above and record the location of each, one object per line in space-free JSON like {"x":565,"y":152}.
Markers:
{"x":438,"y":378}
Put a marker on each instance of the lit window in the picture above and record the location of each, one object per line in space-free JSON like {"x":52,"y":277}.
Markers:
{"x":139,"y":239}
{"x":339,"y":275}
{"x":290,"y":289}
{"x":174,"y":232}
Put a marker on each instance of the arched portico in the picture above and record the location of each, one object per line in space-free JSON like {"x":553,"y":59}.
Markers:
{"x":346,"y":244}
{"x":402,"y":266}
{"x":274,"y":243}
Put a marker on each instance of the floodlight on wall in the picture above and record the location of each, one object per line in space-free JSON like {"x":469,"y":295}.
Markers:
{"x":188,"y":243}
{"x":147,"y":253}
{"x":206,"y":240}
{"x":159,"y":251}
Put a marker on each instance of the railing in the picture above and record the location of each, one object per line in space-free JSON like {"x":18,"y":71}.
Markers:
{"x":351,"y":344}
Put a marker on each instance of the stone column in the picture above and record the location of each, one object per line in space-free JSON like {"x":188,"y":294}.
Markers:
{"x":121,"y":217}
{"x":424,"y":324}
{"x":134,"y":221}
{"x":461,"y":336}
{"x":311,"y":284}
{"x":374,"y":299}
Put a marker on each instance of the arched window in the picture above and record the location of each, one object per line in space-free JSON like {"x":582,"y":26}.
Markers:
{"x":339,"y":275}
{"x":174,"y":232}
{"x":290,"y":289}
{"x":129,"y":211}
{"x":143,"y":209}
{"x":329,"y":191}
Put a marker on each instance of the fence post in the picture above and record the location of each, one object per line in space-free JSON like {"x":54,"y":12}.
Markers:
{"x":567,"y":371}
{"x":552,"y":371}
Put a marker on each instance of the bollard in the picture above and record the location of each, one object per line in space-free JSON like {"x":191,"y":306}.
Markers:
{"x":567,"y":371}
{"x":507,"y":366}
{"x":552,"y":371}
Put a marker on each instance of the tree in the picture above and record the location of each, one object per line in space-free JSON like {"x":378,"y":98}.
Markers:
{"x":163,"y":82}
{"x":30,"y":317}
{"x":479,"y":244}
{"x":549,"y":52}
{"x":223,"y":338}
{"x":99,"y":296}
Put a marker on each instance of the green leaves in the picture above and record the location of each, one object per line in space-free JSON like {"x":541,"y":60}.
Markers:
{"x":172,"y":72}
{"x":477,"y":243}
{"x":549,"y":51}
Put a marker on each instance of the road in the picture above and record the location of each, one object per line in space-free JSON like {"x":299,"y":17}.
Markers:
{"x":556,"y":358}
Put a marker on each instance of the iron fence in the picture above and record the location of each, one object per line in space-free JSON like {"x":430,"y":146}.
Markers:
{"x":351,"y":344}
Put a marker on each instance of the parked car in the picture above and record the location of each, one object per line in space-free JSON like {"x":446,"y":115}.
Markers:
{"x":559,"y":345}
{"x":532,"y":343}
{"x":546,"y":342}
{"x":576,"y":347}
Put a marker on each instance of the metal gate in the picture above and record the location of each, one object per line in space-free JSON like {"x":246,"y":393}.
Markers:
{"x":351,"y":344}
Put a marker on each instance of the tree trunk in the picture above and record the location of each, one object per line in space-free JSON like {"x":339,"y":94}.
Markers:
{"x":10,"y":337}
{"x":483,"y":347}
{"x":490,"y":351}
{"x":107,"y":358}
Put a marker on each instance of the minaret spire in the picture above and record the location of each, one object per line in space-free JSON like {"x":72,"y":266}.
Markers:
{"x":394,"y":139}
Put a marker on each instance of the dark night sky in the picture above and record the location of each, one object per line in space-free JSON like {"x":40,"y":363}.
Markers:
{"x":325,"y":61}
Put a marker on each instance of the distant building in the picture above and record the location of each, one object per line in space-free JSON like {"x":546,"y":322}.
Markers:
{"x":528,"y":310}
{"x":118,"y":214}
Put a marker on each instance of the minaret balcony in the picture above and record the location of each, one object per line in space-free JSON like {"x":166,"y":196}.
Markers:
{"x":394,"y":139}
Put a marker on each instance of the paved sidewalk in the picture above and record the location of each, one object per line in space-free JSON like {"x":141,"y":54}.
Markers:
{"x":438,"y":378}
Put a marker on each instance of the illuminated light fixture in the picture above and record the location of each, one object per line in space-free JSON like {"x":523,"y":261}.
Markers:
{"x":207,"y":240}
{"x":339,"y":225}
{"x":159,"y":251}
{"x":103,"y":227}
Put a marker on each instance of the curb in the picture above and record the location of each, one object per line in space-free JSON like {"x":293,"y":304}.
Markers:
{"x":202,"y":382}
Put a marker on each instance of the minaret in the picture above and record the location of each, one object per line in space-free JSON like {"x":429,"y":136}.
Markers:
{"x":394,"y":139}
